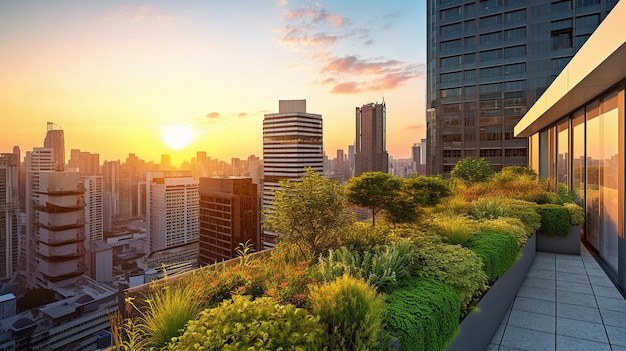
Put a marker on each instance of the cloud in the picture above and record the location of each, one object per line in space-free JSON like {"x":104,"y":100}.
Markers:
{"x":282,"y":3}
{"x":243,"y":114}
{"x":132,"y":13}
{"x":346,"y":88}
{"x":314,"y":31}
{"x":415,"y":127}
{"x":213,"y":115}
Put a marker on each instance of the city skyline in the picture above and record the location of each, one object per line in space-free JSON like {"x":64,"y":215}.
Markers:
{"x":116,"y":77}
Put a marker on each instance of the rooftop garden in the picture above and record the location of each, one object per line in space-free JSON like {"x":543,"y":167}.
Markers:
{"x":432,"y":248}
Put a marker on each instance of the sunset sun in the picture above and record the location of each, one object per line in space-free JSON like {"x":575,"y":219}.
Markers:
{"x":178,"y":137}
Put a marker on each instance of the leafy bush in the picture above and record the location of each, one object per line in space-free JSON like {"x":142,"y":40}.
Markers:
{"x":489,"y":208}
{"x":526,"y":212}
{"x":423,"y":314}
{"x":511,"y":226}
{"x":555,"y":220}
{"x":512,"y":174}
{"x":454,"y":229}
{"x":454,"y":265}
{"x":363,"y":237}
{"x":239,"y":324}
{"x":350,"y":312}
{"x":456,"y":205}
{"x":472,"y":170}
{"x":564,"y":194}
{"x":289,"y":284}
{"x":428,"y":191}
{"x":576,"y":213}
{"x":498,"y":250}
{"x":382,"y":268}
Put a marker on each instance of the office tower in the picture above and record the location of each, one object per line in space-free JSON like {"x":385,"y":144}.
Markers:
{"x":487,"y":63}
{"x":10,"y":228}
{"x":255,"y":169}
{"x":94,"y":195}
{"x":172,"y":214}
{"x":351,"y":159}
{"x":416,"y":153}
{"x":166,"y":164}
{"x":58,"y":230}
{"x":229,"y":215}
{"x":110,"y":207}
{"x":55,"y":139}
{"x":370,"y":146}
{"x":131,"y":185}
{"x":292,"y":141}
{"x":84,"y":162}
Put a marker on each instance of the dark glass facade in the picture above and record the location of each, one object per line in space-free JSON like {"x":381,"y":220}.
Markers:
{"x":487,"y":63}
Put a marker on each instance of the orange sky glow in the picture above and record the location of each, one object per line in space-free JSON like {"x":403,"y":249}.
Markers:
{"x":117,"y":76}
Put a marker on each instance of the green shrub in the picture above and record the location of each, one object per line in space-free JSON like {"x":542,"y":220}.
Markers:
{"x":489,"y":208}
{"x":511,"y":226}
{"x":564,"y":194}
{"x":382,"y":268}
{"x":363,"y":236}
{"x":555,"y":220}
{"x":423,"y":314}
{"x":289,"y":284}
{"x":454,"y":265}
{"x":241,"y":324}
{"x":526,"y":212}
{"x":498,"y":250}
{"x":350,"y":312}
{"x":454,"y":229}
{"x":472,"y":170}
{"x":576,"y":213}
{"x":427,"y":190}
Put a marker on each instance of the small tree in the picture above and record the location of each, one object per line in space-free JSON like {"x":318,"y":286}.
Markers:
{"x":374,"y":191}
{"x":416,"y":192}
{"x":472,"y":170}
{"x":308,"y":213}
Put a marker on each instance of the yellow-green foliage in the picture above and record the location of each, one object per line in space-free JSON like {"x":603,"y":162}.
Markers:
{"x":454,"y":265}
{"x":169,"y":308}
{"x":555,"y":220}
{"x":511,"y":226}
{"x":423,"y":314}
{"x":498,"y":250}
{"x":576,"y":213}
{"x":350,"y":312}
{"x":454,"y":229}
{"x":241,"y":324}
{"x":489,"y":208}
{"x":526,"y":211}
{"x":363,"y":236}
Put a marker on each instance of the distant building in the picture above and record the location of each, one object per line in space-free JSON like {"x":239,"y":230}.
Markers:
{"x":292,"y":142}
{"x":79,"y":320}
{"x":172,"y":210}
{"x":229,"y":215}
{"x":55,"y":139}
{"x":57,"y":250}
{"x":370,"y":148}
{"x":84,"y":162}
{"x":10,"y":228}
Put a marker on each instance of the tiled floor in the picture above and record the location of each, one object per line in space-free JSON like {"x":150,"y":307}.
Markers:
{"x":566,"y":303}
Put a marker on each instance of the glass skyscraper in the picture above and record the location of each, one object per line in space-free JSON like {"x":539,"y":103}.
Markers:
{"x":488,"y":61}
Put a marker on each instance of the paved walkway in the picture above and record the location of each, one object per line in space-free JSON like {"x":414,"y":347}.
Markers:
{"x":566,"y":303}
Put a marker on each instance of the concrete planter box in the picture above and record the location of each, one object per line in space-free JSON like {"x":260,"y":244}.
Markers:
{"x":479,"y":327}
{"x":569,"y":244}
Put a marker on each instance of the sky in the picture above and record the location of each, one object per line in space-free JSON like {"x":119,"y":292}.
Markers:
{"x":177,"y":77}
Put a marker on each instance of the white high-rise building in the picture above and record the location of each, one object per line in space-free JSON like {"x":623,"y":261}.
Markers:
{"x":172,"y":214}
{"x":57,"y":249}
{"x":94,"y":229}
{"x":292,"y":142}
{"x":9,"y":214}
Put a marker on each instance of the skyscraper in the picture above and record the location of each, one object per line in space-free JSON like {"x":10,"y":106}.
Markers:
{"x":57,"y":252}
{"x":172,"y":209}
{"x":292,"y":142}
{"x":84,"y":162}
{"x":370,"y":146}
{"x":487,"y":63}
{"x":229,"y":215}
{"x":9,"y":215}
{"x":55,"y":139}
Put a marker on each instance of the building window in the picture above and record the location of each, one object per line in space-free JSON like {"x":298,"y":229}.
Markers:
{"x":490,"y":21}
{"x":515,"y":52}
{"x":451,"y":138}
{"x":491,"y":55}
{"x":451,"y":29}
{"x":514,"y":69}
{"x":450,"y":77}
{"x":470,"y":44}
{"x":491,"y":38}
{"x":450,"y":14}
{"x":451,"y":45}
{"x":519,"y":152}
{"x":469,"y":59}
{"x":561,"y":39}
{"x":559,"y":63}
{"x":490,"y":152}
{"x":562,"y":153}
{"x":562,"y":24}
{"x":561,"y":6}
{"x":515,"y":34}
{"x":588,"y":22}
{"x":489,"y":5}
{"x":515,"y":17}
{"x":578,"y":156}
{"x":451,"y":61}
{"x":585,"y":3}
{"x":452,"y":153}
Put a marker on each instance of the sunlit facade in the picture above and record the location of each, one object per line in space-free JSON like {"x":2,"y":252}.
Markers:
{"x":488,"y":61}
{"x":576,"y":132}
{"x":292,"y":142}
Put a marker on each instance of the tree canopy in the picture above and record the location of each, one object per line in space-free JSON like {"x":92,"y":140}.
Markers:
{"x":374,"y":191}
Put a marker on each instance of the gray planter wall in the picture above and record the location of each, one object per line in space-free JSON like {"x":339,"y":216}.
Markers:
{"x":569,"y":244}
{"x":479,"y":327}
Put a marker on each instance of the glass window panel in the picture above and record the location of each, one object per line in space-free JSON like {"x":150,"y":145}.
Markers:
{"x":533,"y":145}
{"x":515,"y":52}
{"x":562,"y":153}
{"x":515,"y":16}
{"x":451,"y":29}
{"x":585,"y":3}
{"x":490,"y":21}
{"x":578,"y":157}
{"x":514,"y":34}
